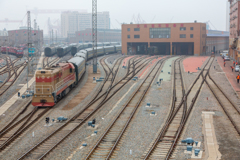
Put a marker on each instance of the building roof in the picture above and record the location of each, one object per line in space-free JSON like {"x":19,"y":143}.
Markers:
{"x":216,"y":33}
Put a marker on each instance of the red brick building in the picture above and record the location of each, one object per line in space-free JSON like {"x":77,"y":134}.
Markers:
{"x":17,"y":37}
{"x":169,"y":38}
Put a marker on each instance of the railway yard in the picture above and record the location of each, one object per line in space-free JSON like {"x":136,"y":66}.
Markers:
{"x":134,"y":107}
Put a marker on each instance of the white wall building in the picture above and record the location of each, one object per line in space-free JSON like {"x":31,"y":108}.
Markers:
{"x":75,"y":21}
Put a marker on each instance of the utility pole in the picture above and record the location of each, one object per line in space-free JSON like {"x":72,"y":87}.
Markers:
{"x":38,"y":44}
{"x":35,"y":43}
{"x":56,"y":36}
{"x":52,"y":37}
{"x":94,"y":34}
{"x":29,"y":40}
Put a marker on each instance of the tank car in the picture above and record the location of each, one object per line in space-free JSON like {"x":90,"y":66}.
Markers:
{"x":50,"y":51}
{"x":62,"y":51}
{"x":75,"y":48}
{"x":55,"y":82}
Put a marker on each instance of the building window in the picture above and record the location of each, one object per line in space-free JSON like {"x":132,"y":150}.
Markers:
{"x":191,"y":28}
{"x":191,"y":35}
{"x":182,"y":35}
{"x":136,"y":29}
{"x":128,"y":29}
{"x":182,"y":28}
{"x":128,"y":36}
{"x":136,"y":36}
{"x":160,"y":33}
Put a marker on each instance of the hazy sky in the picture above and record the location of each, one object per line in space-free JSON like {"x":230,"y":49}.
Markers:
{"x":151,"y":11}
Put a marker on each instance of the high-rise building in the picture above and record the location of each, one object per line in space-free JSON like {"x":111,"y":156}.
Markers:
{"x":227,"y":17}
{"x":234,"y":46}
{"x":75,"y":21}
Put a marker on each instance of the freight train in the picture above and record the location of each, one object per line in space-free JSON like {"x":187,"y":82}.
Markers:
{"x":18,"y":52}
{"x":53,"y":83}
{"x":50,"y":51}
{"x":62,"y":51}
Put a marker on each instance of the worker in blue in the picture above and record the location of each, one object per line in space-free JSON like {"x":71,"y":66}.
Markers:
{"x":47,"y":120}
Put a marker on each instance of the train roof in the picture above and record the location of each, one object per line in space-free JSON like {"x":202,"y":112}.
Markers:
{"x":80,"y":53}
{"x":108,"y":46}
{"x":52,"y":69}
{"x":76,"y":60}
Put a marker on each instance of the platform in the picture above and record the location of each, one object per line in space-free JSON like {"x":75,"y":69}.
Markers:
{"x":212,"y":147}
{"x":167,"y":68}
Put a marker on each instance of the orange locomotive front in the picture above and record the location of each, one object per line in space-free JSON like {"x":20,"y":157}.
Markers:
{"x":52,"y":84}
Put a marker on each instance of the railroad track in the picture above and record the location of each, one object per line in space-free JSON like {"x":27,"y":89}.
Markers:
{"x":44,"y":147}
{"x":5,"y":67}
{"x":230,"y":109}
{"x":20,"y":124}
{"x":15,"y":68}
{"x":46,"y":62}
{"x":106,"y":145}
{"x":13,"y":74}
{"x":165,"y":143}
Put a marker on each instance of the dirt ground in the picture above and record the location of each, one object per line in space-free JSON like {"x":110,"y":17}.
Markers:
{"x":84,"y":92}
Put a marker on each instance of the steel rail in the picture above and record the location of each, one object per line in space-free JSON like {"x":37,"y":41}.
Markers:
{"x":134,"y":111}
{"x":187,"y":114}
{"x":222,"y":105}
{"x":72,"y":119}
{"x":172,"y":115}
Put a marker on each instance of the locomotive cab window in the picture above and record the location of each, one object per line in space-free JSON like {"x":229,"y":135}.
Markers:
{"x":71,"y":70}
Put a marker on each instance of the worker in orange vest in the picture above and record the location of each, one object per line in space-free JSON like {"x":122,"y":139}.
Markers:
{"x":234,"y":63}
{"x":224,"y":63}
{"x":232,"y":68}
{"x":238,"y":77}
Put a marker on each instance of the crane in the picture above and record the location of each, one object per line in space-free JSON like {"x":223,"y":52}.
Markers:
{"x":6,"y":20}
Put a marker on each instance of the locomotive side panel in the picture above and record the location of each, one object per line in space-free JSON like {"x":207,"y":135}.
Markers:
{"x":51,"y":84}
